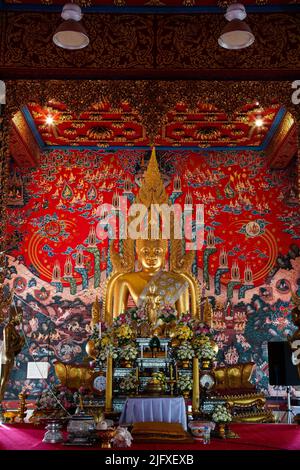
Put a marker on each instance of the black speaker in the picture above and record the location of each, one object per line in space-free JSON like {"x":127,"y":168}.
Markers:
{"x":281,"y":369}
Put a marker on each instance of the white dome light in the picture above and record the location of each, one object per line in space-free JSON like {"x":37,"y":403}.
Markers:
{"x":71,"y":34}
{"x":236,"y":34}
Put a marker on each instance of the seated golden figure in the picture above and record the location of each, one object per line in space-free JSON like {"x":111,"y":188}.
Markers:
{"x":177,"y":286}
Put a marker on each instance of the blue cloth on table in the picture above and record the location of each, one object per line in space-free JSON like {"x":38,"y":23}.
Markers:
{"x":157,"y":409}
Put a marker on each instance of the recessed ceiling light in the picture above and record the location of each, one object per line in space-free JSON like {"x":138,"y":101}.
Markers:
{"x":259,"y":122}
{"x":49,"y":120}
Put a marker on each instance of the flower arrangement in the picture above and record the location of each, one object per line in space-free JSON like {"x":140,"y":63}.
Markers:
{"x":124,"y":333}
{"x":104,"y":347}
{"x":120,"y":320}
{"x":187,"y":319}
{"x":128,"y":383}
{"x":203,"y":330}
{"x":167,"y":313}
{"x":184,"y":383}
{"x":206,"y":351}
{"x":185,"y":351}
{"x":138,"y":315}
{"x":221,"y":414}
{"x":159,"y":378}
{"x":183,"y":332}
{"x":129,"y":352}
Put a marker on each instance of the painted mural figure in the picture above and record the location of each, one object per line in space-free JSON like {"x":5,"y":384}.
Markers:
{"x":12,"y":345}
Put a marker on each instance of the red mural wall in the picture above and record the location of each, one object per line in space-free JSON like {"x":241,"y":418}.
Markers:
{"x":251,"y":255}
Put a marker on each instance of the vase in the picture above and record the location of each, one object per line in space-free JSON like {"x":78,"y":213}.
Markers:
{"x":106,"y":436}
{"x":185,"y":363}
{"x":154,"y":388}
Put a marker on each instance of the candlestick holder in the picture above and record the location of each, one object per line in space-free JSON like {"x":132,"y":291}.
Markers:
{"x":22,"y":407}
{"x":53,"y":433}
{"x":172,"y":383}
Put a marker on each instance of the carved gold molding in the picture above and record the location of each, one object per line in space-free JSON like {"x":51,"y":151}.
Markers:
{"x":152,"y":99}
{"x":137,"y":44}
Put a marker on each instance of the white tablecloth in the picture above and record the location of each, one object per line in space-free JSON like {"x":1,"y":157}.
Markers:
{"x":168,"y":410}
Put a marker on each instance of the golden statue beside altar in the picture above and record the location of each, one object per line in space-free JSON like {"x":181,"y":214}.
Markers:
{"x":176,"y":287}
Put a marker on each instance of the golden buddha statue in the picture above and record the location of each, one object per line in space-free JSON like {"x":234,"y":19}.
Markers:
{"x":177,"y":286}
{"x":12,"y":345}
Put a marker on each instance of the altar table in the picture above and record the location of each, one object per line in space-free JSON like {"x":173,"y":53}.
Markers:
{"x":159,"y":409}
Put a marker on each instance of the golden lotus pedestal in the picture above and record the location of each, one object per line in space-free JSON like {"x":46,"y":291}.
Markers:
{"x":154,"y":388}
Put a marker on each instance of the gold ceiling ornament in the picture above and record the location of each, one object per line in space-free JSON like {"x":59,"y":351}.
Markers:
{"x":151,"y":99}
{"x":139,"y":46}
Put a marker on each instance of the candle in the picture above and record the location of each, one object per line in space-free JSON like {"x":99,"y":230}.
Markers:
{"x":109,"y":384}
{"x":196,"y":388}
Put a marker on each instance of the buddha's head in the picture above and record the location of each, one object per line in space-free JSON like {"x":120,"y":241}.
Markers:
{"x":151,"y":254}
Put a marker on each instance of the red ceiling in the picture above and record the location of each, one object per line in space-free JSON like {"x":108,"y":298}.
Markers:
{"x":102,"y":125}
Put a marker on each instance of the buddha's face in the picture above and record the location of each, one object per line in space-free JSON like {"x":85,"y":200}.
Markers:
{"x":151,"y":254}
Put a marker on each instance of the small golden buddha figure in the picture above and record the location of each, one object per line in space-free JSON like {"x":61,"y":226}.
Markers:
{"x":152,"y":304}
{"x":176,"y":287}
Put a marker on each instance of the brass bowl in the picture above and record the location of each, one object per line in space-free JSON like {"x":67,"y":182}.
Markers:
{"x":105,"y":436}
{"x":154,"y":388}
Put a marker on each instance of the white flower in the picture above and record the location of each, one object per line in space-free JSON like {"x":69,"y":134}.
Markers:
{"x":129,"y":352}
{"x":206,"y":351}
{"x":185,"y":351}
{"x":221,"y":414}
{"x":184,"y":382}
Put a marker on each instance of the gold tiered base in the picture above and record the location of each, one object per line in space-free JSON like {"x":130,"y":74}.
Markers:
{"x":248,"y":408}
